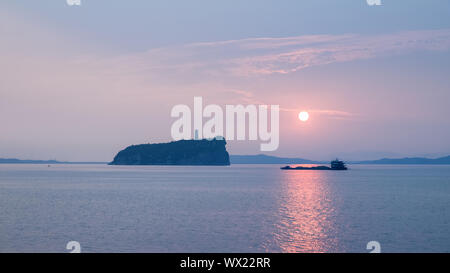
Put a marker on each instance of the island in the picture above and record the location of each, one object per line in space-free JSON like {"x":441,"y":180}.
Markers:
{"x":182,"y":152}
{"x":336,"y":165}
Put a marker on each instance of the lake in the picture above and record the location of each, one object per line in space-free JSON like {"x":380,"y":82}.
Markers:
{"x":238,"y":208}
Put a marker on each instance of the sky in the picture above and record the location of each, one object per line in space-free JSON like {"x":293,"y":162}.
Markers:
{"x":80,"y":83}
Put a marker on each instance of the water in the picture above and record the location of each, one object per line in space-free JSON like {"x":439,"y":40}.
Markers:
{"x":241,"y":208}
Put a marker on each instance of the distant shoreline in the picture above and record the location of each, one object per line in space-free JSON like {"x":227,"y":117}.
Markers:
{"x":265,"y":159}
{"x":28,"y":161}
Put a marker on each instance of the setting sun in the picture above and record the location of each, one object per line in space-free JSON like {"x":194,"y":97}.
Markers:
{"x":303,"y":116}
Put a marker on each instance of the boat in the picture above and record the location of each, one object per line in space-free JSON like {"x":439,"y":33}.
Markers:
{"x":336,"y":165}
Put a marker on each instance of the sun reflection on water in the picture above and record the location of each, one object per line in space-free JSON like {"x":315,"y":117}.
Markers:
{"x":306,"y":212}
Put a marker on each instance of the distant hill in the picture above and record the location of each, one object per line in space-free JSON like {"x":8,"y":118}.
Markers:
{"x":28,"y":161}
{"x":408,"y":160}
{"x":266,"y":159}
{"x":183,"y":152}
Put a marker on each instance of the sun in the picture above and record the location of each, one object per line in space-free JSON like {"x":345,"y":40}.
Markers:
{"x":303,"y":116}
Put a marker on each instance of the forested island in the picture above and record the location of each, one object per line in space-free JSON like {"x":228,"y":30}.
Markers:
{"x":182,"y":152}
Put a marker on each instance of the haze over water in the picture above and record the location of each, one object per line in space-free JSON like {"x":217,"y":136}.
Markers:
{"x":240,"y":208}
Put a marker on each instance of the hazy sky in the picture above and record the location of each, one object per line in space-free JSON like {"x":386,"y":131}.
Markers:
{"x":81,"y":83}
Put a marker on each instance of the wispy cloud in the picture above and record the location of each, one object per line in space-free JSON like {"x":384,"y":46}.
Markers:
{"x":265,"y":56}
{"x":299,"y":53}
{"x":247,"y":97}
{"x":228,"y":61}
{"x":329,"y":113}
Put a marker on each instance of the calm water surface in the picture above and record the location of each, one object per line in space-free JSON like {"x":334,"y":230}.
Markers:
{"x":241,"y":208}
